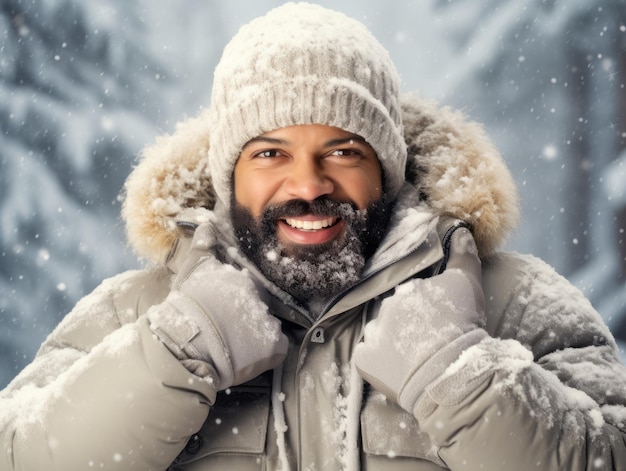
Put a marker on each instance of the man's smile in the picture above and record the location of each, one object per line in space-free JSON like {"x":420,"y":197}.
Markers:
{"x":309,"y":229}
{"x":311,"y":224}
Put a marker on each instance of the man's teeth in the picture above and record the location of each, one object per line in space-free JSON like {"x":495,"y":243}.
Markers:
{"x":310,"y":225}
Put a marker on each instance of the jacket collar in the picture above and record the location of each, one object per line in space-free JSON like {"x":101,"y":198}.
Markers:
{"x":410,"y":224}
{"x":410,"y":246}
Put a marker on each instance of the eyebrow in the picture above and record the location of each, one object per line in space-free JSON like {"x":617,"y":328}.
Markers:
{"x":344,"y":140}
{"x":331,"y":143}
{"x":268,"y":140}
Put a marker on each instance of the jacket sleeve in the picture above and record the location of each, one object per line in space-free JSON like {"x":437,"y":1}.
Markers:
{"x":545,"y":391}
{"x":101,"y":392}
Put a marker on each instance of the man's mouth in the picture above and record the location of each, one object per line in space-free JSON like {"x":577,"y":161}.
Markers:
{"x":309,"y":229}
{"x":310,"y":225}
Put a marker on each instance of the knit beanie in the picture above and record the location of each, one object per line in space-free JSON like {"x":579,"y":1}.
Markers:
{"x":305,"y":64}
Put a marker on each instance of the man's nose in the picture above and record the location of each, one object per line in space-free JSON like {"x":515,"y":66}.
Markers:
{"x":307,"y":180}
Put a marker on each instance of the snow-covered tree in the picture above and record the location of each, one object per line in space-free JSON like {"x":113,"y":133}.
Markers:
{"x":548,"y":80}
{"x":83,"y":86}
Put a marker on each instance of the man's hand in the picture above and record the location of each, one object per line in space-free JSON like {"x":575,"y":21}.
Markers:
{"x":424,"y":326}
{"x":214,"y":321}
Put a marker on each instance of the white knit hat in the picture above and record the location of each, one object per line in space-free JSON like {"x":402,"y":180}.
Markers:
{"x":304,"y":64}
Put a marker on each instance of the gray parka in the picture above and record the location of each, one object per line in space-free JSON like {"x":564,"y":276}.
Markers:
{"x":545,"y":391}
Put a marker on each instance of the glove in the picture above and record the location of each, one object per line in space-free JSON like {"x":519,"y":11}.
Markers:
{"x":424,"y":327}
{"x":214,"y":321}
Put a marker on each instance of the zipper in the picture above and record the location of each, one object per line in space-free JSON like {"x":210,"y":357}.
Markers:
{"x":446,"y":241}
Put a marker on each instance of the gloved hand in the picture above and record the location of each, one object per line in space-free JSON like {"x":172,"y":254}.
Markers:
{"x":424,"y":326}
{"x":214,"y":321}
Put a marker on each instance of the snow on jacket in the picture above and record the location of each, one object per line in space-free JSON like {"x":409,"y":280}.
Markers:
{"x":545,"y":391}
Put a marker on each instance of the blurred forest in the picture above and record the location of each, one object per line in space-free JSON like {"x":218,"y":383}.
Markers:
{"x":85,"y":85}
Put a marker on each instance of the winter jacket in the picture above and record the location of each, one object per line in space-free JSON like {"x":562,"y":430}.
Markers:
{"x":544,"y":391}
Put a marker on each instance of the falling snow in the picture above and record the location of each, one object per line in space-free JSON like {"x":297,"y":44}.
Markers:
{"x":69,"y":136}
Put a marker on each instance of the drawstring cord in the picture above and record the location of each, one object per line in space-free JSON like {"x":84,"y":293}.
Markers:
{"x":353,"y":413}
{"x":280,"y":425}
{"x":355,"y":402}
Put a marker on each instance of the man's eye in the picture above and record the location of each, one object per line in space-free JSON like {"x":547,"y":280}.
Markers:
{"x":264,"y":154}
{"x":346,"y":152}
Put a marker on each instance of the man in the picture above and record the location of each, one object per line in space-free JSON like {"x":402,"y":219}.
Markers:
{"x":318,"y":301}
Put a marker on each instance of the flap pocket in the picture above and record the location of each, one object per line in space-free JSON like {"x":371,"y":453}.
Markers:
{"x":388,"y":430}
{"x":236,"y":425}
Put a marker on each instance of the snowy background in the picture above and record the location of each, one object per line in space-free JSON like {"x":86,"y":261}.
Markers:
{"x":84,"y":85}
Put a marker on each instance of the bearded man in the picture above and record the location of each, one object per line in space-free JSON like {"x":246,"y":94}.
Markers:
{"x":326,"y":294}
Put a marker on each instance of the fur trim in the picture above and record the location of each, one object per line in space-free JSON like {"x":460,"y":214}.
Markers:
{"x":459,"y":171}
{"x":456,"y":167}
{"x":172,"y":175}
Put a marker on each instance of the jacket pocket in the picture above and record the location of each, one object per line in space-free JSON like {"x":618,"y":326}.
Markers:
{"x":392,"y":439}
{"x":234,"y":435}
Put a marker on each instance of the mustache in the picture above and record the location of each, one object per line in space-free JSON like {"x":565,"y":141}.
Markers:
{"x":323,"y":206}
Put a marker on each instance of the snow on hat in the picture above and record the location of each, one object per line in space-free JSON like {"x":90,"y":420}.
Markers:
{"x":304,"y":64}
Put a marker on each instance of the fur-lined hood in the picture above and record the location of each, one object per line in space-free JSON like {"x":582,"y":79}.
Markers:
{"x":451,"y":160}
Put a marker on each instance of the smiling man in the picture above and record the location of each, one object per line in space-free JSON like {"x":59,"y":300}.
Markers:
{"x":326,"y":293}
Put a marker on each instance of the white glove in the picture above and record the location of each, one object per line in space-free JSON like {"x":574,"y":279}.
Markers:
{"x":214,"y":321}
{"x":424,"y":326}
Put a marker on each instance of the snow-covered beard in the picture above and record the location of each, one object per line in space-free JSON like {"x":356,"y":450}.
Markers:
{"x":318,"y":271}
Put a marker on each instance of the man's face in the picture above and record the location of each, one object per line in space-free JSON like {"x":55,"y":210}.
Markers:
{"x":306,"y":162}
{"x":307,"y":206}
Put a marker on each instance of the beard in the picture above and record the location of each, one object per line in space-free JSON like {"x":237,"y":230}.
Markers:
{"x":309,"y":272}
